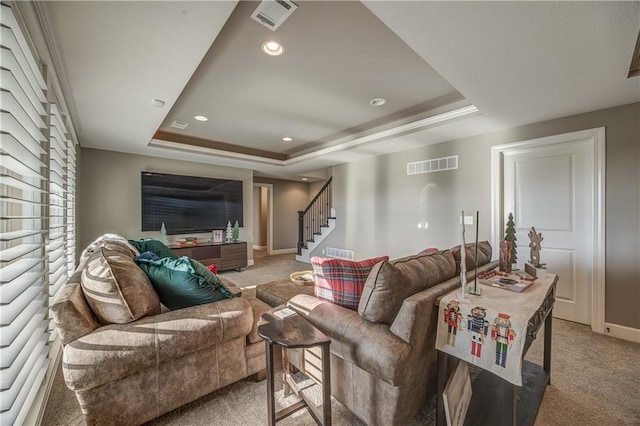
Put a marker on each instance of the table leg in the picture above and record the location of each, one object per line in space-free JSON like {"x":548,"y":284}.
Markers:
{"x":442,"y":380}
{"x":270,"y":385}
{"x":326,"y":385}
{"x":547,"y":345}
{"x":286,"y":371}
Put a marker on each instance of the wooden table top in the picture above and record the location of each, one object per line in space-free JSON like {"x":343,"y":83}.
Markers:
{"x":290,"y":332}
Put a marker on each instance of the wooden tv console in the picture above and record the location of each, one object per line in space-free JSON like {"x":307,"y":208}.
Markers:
{"x":224,"y":255}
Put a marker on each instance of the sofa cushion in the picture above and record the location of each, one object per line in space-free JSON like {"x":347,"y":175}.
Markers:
{"x":154,"y":246}
{"x":179,"y":285}
{"x":116,"y":289}
{"x":341,"y":281}
{"x":117,"y":351}
{"x":389,"y":283}
{"x":484,"y":255}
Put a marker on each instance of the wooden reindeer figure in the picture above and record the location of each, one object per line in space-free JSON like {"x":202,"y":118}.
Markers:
{"x":535,"y":240}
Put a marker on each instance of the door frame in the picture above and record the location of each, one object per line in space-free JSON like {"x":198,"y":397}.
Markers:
{"x":269,"y":187}
{"x":597,"y":140}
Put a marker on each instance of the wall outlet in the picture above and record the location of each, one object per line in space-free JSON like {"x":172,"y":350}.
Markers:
{"x":468,"y":220}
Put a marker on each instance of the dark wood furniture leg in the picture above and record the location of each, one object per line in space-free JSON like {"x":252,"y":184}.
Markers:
{"x":271,"y":394}
{"x":547,"y":345}
{"x":326,"y":385}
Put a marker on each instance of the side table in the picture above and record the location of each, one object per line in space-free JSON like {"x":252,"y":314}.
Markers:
{"x":294,"y":332}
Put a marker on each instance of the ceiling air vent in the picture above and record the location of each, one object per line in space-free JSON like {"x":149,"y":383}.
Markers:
{"x":272,"y":13}
{"x":179,"y":124}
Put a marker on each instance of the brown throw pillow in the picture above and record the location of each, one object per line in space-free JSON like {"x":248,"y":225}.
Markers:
{"x":389,"y":283}
{"x":484,"y":255}
{"x":116,"y":289}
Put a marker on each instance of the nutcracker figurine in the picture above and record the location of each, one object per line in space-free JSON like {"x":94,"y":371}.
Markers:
{"x":453,"y":319}
{"x":504,"y":336}
{"x":478,"y":326}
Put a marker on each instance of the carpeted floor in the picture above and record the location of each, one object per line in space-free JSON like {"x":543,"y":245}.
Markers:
{"x":595,"y":380}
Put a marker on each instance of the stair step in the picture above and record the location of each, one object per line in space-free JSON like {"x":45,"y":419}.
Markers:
{"x":331,"y":217}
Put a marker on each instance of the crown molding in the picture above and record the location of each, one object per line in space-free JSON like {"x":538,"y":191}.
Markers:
{"x":43,"y":13}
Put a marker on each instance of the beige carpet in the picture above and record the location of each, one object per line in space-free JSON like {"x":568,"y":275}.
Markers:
{"x":595,"y":380}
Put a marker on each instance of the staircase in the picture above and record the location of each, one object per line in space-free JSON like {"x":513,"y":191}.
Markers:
{"x":315,"y":223}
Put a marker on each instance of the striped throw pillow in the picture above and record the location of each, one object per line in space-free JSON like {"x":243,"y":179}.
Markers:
{"x":341,"y":281}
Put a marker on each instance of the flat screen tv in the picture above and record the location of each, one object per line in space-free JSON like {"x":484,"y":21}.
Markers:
{"x":189,"y":204}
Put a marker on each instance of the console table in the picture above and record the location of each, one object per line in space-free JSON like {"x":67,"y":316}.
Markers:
{"x":224,"y":255}
{"x":497,"y":401}
{"x":294,"y":332}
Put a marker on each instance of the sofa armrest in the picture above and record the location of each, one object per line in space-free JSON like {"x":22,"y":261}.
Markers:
{"x":371,"y":346}
{"x":118,"y":350}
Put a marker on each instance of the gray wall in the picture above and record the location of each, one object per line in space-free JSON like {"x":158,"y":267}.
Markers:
{"x":109,"y":193}
{"x":257,"y":230}
{"x":288,"y":198}
{"x":378,"y":206}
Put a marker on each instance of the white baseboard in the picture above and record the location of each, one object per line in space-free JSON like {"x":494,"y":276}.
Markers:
{"x":284,"y":251}
{"x":255,"y":247}
{"x":622,"y":332}
{"x":250,"y":262}
{"x":36,"y":412}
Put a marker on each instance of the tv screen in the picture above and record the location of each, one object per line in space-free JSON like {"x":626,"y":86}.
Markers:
{"x":189,"y":204}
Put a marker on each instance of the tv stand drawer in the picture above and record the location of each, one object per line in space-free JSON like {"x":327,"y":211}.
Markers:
{"x":224,"y":256}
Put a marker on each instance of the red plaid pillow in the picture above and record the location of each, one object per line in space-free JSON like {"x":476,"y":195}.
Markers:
{"x":341,"y":281}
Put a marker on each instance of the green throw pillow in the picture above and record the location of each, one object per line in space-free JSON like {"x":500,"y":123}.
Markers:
{"x":211,"y":277}
{"x":153,"y":246}
{"x":179,"y":285}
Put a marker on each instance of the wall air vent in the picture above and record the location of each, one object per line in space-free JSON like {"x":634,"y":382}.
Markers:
{"x":340,"y":253}
{"x":434,"y":165}
{"x":179,"y":125}
{"x":272,"y":13}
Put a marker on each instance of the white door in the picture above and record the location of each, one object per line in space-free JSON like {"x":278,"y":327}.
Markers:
{"x":551,"y":188}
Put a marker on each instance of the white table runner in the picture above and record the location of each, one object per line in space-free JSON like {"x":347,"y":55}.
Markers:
{"x":489,"y":331}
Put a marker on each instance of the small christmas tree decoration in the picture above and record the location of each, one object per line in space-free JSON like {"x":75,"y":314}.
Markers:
{"x":229,"y":232}
{"x":236,"y":232}
{"x":510,"y":236}
{"x":163,"y":235}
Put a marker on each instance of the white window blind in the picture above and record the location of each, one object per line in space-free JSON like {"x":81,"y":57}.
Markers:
{"x":57,"y":246}
{"x":24,"y":170}
{"x":71,"y":206}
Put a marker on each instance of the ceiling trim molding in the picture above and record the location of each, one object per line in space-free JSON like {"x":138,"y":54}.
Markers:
{"x":185,"y":143}
{"x":217,"y":146}
{"x":412,"y":127}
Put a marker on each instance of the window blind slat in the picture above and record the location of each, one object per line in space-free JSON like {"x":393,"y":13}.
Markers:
{"x":24,"y":383}
{"x":18,"y":184}
{"x":9,"y":20}
{"x":15,"y":269}
{"x":17,"y":166}
{"x":9,"y":82}
{"x":11,"y":126}
{"x":23,"y":358}
{"x":21,"y":201}
{"x":11,"y":330}
{"x":14,"y":288}
{"x":12,"y":253}
{"x":15,"y":149}
{"x":11,"y":61}
{"x":14,"y":235}
{"x":11,"y":311}
{"x":22,"y":114}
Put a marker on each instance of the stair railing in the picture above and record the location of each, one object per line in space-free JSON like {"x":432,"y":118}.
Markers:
{"x":314,"y":217}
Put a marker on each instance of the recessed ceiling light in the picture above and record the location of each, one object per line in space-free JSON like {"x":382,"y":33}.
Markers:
{"x":305,"y":178}
{"x":201,"y":118}
{"x":157,"y":102}
{"x":287,"y":139}
{"x":377,"y":102}
{"x":272,"y":48}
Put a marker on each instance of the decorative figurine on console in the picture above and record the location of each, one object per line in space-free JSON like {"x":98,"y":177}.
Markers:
{"x":510,"y":235}
{"x":505,"y":256}
{"x":236,"y":232}
{"x":535,"y":240}
{"x":453,"y":319}
{"x":504,"y":336}
{"x":229,"y":232}
{"x":479,"y":327}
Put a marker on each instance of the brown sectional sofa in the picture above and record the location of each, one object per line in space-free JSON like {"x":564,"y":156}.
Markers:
{"x":383,"y":357}
{"x":133,"y":372}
